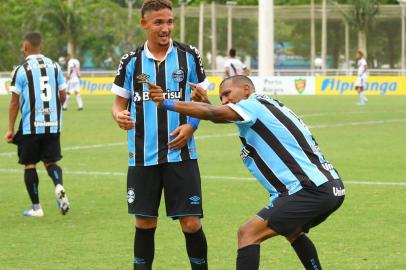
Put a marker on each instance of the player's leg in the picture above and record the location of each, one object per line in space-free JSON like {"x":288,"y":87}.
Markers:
{"x":183,"y":198}
{"x":79,"y":100}
{"x":250,"y":236}
{"x":144,"y":189}
{"x":305,"y":250}
{"x":28,"y":153}
{"x":67,"y":100}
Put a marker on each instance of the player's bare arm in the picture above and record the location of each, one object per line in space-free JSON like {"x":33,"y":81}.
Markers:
{"x":121,"y":115}
{"x":62,"y":96}
{"x":217,"y":114}
{"x":12,"y":116}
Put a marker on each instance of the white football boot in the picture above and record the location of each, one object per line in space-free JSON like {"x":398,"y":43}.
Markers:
{"x":61,"y":199}
{"x":37,"y":212}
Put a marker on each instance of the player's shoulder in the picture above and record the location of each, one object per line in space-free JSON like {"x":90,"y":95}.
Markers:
{"x":131,"y":54}
{"x":186,"y":48}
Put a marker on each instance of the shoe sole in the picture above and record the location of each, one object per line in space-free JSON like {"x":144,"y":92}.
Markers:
{"x":63,"y":202}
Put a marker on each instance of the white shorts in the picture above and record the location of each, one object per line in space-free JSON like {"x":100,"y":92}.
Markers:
{"x":360,"y":82}
{"x":73,"y":87}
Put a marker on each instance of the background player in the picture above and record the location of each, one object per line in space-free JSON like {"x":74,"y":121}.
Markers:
{"x":362,"y":76}
{"x":162,"y":152}
{"x":73,"y":78}
{"x":233,"y":66}
{"x":38,"y":89}
{"x":282,"y":154}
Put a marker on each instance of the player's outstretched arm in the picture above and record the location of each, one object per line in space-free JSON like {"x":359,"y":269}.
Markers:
{"x":217,"y":114}
{"x":121,"y":115}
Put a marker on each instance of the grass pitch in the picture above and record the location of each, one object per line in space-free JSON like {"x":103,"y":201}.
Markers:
{"x":366,"y":145}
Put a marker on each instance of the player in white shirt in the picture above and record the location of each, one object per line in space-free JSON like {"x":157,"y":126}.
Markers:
{"x":234,"y":66}
{"x":73,"y":79}
{"x":362,"y":76}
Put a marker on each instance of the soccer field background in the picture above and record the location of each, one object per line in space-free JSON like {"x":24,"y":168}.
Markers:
{"x":366,"y":144}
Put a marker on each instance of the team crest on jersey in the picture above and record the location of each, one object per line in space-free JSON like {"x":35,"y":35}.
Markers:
{"x":178,"y":75}
{"x":143,"y":78}
{"x":300,"y":85}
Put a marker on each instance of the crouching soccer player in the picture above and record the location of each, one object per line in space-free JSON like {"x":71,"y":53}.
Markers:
{"x":38,"y":90}
{"x":282,"y":154}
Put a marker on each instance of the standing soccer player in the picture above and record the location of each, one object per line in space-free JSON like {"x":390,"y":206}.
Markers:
{"x":73,"y":78}
{"x":362,"y":76}
{"x":282,"y":154}
{"x":162,"y":151}
{"x":38,"y":89}
{"x":233,"y":66}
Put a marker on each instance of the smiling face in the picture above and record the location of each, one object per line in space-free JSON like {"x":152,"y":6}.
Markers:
{"x":235,"y":89}
{"x":159,"y":25}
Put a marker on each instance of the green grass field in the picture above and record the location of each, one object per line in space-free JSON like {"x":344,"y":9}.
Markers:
{"x":366,"y":144}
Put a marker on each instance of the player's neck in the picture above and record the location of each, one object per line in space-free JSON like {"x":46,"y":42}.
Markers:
{"x":32,"y":52}
{"x":158,"y":51}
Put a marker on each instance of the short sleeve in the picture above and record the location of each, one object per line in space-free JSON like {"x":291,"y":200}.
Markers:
{"x":18,"y":81}
{"x":198,"y":75}
{"x":246,"y":109}
{"x":122,"y":81}
{"x":61,"y":81}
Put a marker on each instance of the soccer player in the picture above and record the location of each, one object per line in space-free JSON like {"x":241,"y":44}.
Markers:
{"x":233,"y":66}
{"x":281,"y":153}
{"x":73,"y":78}
{"x":161,"y":149}
{"x":362,"y":76}
{"x":38,"y":89}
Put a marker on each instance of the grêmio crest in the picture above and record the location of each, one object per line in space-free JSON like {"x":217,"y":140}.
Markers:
{"x":178,"y":75}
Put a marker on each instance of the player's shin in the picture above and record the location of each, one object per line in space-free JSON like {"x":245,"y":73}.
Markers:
{"x":144,"y":248}
{"x":248,"y":257}
{"x":55,"y":172}
{"x":307,"y":253}
{"x":31,"y":183}
{"x":196,"y":246}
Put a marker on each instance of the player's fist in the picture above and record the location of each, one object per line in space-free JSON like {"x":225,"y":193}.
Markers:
{"x":9,"y":136}
{"x":198,"y":93}
{"x":156,"y":94}
{"x":124,"y":120}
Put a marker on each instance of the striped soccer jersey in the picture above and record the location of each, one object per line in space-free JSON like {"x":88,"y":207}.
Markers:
{"x":38,"y":82}
{"x":148,"y":141}
{"x":278,"y":148}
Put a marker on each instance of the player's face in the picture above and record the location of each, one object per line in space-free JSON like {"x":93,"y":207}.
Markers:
{"x":359,"y":56}
{"x":159,"y":26}
{"x":232,"y":93}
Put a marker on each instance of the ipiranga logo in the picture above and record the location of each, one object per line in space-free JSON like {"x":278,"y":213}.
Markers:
{"x":343,"y":85}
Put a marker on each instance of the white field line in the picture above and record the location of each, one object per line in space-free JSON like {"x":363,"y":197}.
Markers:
{"x":208,"y":177}
{"x":346,"y":124}
{"x":348,"y":112}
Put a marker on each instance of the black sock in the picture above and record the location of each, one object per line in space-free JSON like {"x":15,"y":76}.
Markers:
{"x":307,"y":253}
{"x":248,"y":257}
{"x":196,"y":246}
{"x":55,"y":172}
{"x":31,"y":183}
{"x":144,"y":248}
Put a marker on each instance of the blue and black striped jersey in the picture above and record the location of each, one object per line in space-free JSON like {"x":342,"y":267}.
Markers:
{"x":38,"y":82}
{"x":148,"y":141}
{"x":278,"y":148}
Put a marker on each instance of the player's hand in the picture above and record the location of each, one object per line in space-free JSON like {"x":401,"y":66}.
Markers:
{"x":124,"y":120}
{"x":156,"y":93}
{"x":9,"y":136}
{"x":199,"y":94}
{"x":183,"y":133}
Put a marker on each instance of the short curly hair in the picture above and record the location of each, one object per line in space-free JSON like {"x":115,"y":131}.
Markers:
{"x":155,"y":5}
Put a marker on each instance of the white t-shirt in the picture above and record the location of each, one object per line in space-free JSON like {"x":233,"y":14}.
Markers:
{"x":362,"y":68}
{"x":234,"y":66}
{"x":74,"y":69}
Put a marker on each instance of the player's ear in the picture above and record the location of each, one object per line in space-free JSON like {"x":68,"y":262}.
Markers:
{"x":247,"y":90}
{"x":143,"y":23}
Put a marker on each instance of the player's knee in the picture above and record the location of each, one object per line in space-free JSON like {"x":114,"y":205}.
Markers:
{"x":245,"y":235}
{"x":30,"y":166}
{"x":145,"y":223}
{"x":190,"y":224}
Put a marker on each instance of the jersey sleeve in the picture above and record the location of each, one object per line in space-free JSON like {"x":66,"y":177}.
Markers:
{"x":18,"y":81}
{"x":61,"y":81}
{"x":198,"y":75}
{"x":246,"y":110}
{"x":122,"y":81}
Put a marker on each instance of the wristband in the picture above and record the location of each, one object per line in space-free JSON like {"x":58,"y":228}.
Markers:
{"x":168,"y":104}
{"x":194,"y":122}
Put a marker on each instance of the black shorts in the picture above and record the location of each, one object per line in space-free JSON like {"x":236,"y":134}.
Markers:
{"x":38,"y":147}
{"x":181,"y":184}
{"x":304,"y":209}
